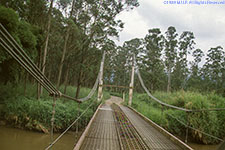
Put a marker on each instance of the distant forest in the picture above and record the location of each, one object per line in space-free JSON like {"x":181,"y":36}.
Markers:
{"x":66,"y":40}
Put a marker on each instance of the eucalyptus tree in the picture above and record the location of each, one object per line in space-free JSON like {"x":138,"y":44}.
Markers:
{"x":170,"y":53}
{"x":152,"y":59}
{"x":24,"y":34}
{"x":122,"y":67}
{"x":43,"y":66}
{"x":55,"y":44}
{"x":97,"y":19}
{"x":213,"y":69}
{"x":109,"y":65}
{"x":194,"y":81}
{"x":63,"y":4}
{"x":185,"y":46}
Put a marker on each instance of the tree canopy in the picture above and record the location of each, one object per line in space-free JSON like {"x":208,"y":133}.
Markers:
{"x":66,"y":39}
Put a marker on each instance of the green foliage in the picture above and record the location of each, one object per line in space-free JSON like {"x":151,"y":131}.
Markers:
{"x":26,"y":36}
{"x":29,"y":113}
{"x":116,"y":94}
{"x":152,"y":66}
{"x":22,"y":32}
{"x":9,"y":19}
{"x":211,"y":122}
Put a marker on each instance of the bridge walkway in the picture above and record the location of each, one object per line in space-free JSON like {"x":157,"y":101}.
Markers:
{"x":106,"y":132}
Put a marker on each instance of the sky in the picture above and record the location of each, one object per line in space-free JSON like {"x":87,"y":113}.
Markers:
{"x":207,"y":21}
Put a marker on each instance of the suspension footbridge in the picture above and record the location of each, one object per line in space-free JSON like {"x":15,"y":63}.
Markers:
{"x":113,"y":126}
{"x":118,"y":127}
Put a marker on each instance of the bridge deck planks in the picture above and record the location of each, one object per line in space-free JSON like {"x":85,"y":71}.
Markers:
{"x":102,"y":134}
{"x":153,"y":138}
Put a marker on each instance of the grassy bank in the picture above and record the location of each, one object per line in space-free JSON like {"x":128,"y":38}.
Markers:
{"x":210,"y":122}
{"x":27,"y":112}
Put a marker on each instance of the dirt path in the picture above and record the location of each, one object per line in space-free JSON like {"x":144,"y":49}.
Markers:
{"x":114,"y":99}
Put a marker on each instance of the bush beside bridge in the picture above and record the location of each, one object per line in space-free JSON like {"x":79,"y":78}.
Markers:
{"x":27,"y":112}
{"x":212,"y":122}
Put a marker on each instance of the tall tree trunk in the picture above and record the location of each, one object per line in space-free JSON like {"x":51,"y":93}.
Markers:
{"x":46,"y":43}
{"x":49,"y":73}
{"x":79,"y":82}
{"x":62,"y":58}
{"x":38,"y":84}
{"x":66,"y":78}
{"x":169,"y":80}
{"x":64,"y":49}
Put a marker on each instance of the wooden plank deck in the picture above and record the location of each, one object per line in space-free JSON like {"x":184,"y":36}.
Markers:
{"x":104,"y":132}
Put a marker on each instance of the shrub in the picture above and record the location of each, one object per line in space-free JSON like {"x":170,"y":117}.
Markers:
{"x":211,"y":122}
{"x":33,"y":114}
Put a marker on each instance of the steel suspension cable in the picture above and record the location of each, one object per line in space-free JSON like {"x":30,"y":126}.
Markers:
{"x":69,"y":126}
{"x":23,"y":64}
{"x":22,"y":55}
{"x":157,"y":100}
{"x":92,"y":90}
{"x":97,"y":81}
{"x":172,"y":106}
{"x":179,"y":108}
{"x":22,"y":58}
{"x":80,"y":100}
{"x":181,"y":122}
{"x":13,"y":48}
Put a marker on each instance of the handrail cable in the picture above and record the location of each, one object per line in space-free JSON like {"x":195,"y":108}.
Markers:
{"x":69,"y":126}
{"x":172,"y":106}
{"x":157,"y":100}
{"x":82,"y":99}
{"x":179,"y":108}
{"x":181,"y":122}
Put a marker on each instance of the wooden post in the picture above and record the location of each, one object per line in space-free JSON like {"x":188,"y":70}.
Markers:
{"x":131,"y":85}
{"x":186,"y":137}
{"x":123,"y":96}
{"x":162,"y":110}
{"x":100,"y":94}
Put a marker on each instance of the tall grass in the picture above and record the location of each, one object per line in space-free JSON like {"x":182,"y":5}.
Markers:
{"x":212,"y":122}
{"x":29,"y":113}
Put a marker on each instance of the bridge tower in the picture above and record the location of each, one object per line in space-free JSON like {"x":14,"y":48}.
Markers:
{"x":131,"y":88}
{"x":100,"y":93}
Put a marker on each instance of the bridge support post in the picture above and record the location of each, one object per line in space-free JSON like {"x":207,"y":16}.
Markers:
{"x":100,"y":93}
{"x":123,"y":96}
{"x":186,"y":138}
{"x":162,"y":113}
{"x":53,"y":118}
{"x":131,"y":84}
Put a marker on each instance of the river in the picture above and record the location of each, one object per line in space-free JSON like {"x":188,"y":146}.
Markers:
{"x":17,"y":139}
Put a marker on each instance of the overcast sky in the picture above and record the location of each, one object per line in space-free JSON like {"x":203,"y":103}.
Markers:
{"x":207,"y":22}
